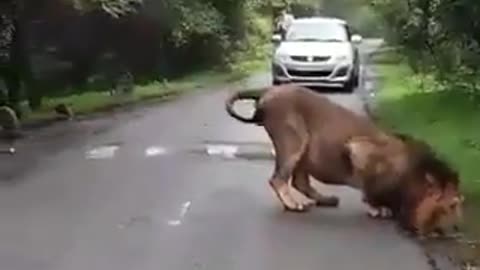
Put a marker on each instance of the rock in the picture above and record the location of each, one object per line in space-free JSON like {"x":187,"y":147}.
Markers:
{"x":8,"y":119}
{"x":64,"y":110}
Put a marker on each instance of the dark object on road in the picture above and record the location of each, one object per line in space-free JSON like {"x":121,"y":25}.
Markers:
{"x":64,"y":111}
{"x":314,"y":136}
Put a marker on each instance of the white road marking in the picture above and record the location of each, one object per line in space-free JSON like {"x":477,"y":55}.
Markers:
{"x":471,"y":267}
{"x":102,"y":152}
{"x":174,"y":223}
{"x":222,"y":150}
{"x":183,"y":212}
{"x":228,"y":151}
{"x":185,"y":208}
{"x":10,"y":151}
{"x":155,"y":151}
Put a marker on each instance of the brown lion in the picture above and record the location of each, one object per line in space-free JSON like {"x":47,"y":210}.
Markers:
{"x":313,"y":136}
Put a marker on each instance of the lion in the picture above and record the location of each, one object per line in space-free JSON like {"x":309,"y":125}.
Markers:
{"x":313,"y":136}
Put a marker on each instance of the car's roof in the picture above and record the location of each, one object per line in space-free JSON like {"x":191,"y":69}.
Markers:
{"x":308,"y":20}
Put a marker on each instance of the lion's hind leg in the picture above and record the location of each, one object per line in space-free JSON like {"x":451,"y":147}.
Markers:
{"x":290,"y":143}
{"x":301,"y":182}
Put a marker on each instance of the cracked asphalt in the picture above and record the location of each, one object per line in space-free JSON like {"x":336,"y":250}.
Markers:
{"x":178,"y":186}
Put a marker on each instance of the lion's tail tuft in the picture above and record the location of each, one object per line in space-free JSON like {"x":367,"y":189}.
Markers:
{"x":255,"y":95}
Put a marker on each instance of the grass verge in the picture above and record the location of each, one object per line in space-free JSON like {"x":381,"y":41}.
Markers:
{"x":447,"y":119}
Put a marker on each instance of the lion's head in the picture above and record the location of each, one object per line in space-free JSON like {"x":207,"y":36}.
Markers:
{"x":422,"y":189}
{"x":439,"y":206}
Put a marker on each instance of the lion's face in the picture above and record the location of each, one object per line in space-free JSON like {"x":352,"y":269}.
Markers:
{"x":439,"y":210}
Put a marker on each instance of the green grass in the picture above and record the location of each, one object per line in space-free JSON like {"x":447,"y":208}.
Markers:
{"x":448,"y":120}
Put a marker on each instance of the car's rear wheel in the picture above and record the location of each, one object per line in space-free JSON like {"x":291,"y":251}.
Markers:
{"x":275,"y":82}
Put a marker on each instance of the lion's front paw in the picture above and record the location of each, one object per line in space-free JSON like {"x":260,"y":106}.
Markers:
{"x":379,"y":212}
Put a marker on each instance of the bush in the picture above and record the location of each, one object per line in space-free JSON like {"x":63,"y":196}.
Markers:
{"x":438,"y":37}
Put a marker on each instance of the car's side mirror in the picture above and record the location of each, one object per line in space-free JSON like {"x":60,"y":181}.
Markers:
{"x":276,"y":38}
{"x":357,"y":39}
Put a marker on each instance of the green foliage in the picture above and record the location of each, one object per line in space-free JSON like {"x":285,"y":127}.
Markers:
{"x":441,"y":37}
{"x":224,"y":23}
{"x":194,"y":18}
{"x":184,"y":20}
{"x":253,"y":52}
{"x":116,"y":8}
{"x":358,"y":13}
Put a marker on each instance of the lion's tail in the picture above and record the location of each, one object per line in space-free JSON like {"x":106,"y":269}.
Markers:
{"x":255,"y":95}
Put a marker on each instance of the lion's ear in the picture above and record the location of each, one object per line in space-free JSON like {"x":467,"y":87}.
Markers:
{"x":430,"y":180}
{"x":432,"y":185}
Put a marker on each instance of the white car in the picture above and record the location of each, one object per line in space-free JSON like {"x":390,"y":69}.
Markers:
{"x":317,"y":52}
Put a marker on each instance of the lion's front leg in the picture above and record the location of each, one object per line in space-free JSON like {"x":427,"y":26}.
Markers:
{"x":283,"y":193}
{"x":378,"y":212}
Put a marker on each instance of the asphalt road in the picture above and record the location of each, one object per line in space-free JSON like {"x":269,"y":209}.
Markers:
{"x":162,"y":188}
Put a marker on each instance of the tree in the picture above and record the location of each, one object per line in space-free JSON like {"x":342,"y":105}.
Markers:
{"x":116,"y":8}
{"x":14,"y":60}
{"x":441,"y":37}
